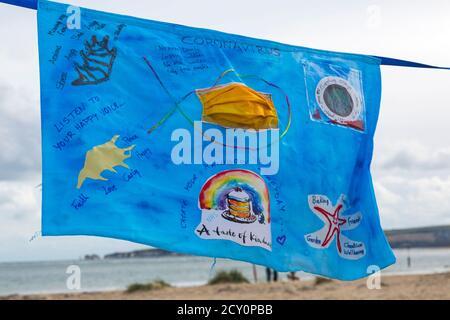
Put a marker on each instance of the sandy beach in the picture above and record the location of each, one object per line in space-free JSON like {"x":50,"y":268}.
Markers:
{"x":434,"y":286}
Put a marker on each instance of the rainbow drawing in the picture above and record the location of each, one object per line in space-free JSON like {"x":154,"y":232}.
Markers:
{"x":214,"y":193}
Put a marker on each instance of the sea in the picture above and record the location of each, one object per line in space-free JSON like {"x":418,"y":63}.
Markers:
{"x":105,"y":275}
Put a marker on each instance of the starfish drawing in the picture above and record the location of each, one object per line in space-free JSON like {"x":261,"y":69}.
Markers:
{"x":334,"y":224}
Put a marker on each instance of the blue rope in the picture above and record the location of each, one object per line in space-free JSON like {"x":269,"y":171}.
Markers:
{"x":405,"y":63}
{"x":211,"y":270}
{"x":31,"y":4}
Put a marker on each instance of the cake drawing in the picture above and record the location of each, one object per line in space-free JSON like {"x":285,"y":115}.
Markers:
{"x":235,"y":205}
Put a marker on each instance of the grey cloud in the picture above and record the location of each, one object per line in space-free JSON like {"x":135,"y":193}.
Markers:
{"x":19,"y":201}
{"x":20,"y":143}
{"x":418,"y":158}
{"x":409,"y":202}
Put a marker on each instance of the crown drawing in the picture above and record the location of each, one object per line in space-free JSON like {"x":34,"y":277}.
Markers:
{"x":98,"y":61}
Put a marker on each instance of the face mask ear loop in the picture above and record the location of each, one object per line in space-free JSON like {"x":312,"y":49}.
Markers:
{"x":288,"y":103}
{"x":223,"y":75}
{"x":177,"y":104}
{"x":178,"y":108}
{"x":211,"y":269}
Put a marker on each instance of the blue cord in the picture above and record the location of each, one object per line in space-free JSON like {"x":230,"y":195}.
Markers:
{"x":31,"y":4}
{"x":213,"y":265}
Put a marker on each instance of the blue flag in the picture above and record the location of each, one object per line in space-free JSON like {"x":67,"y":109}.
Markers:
{"x":207,"y":143}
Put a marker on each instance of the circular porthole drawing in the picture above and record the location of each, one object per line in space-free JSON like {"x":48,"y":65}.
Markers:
{"x":338,"y":100}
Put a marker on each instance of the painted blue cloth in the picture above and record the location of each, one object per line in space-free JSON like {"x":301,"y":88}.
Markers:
{"x":207,"y":143}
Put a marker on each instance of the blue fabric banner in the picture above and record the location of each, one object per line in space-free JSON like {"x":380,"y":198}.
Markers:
{"x":207,"y":143}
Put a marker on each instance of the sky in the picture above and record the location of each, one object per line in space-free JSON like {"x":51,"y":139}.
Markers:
{"x":411,"y":165}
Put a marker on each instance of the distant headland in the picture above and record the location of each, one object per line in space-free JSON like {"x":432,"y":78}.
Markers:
{"x":145,"y":253}
{"x":426,"y":237}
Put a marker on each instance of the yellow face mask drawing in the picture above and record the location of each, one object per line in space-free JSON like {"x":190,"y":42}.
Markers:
{"x":234,"y":105}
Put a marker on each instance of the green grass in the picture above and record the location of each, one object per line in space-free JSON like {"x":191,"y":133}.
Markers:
{"x":155,"y":285}
{"x":232,"y":276}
